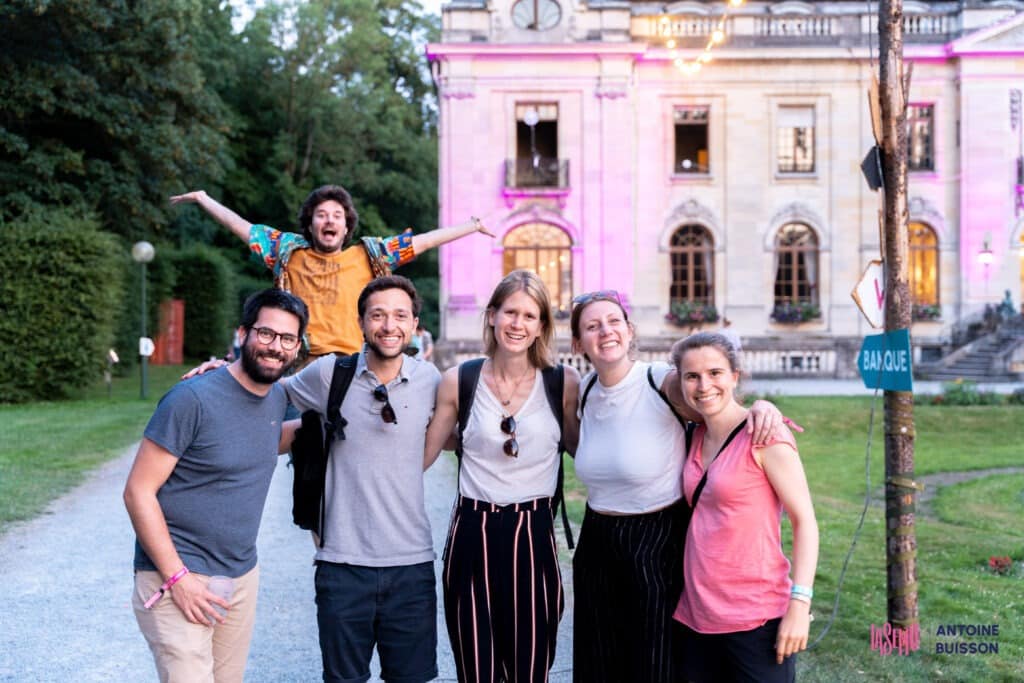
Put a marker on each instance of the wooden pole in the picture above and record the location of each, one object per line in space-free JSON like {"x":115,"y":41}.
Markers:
{"x":900,"y":488}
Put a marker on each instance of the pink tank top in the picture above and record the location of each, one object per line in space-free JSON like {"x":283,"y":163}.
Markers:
{"x":736,"y":576}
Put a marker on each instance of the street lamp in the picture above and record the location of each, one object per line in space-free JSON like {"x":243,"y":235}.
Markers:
{"x":142,"y":253}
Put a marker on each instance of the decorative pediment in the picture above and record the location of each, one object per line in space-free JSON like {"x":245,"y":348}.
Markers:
{"x":797,"y":212}
{"x":921,"y":210}
{"x":690,"y":211}
{"x":1002,"y":37}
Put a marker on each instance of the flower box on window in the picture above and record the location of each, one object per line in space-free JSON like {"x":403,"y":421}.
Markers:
{"x":792,"y":314}
{"x":685,"y":313}
{"x":926,"y":312}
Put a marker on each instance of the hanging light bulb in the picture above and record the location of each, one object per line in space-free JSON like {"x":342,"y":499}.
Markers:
{"x":718,"y":36}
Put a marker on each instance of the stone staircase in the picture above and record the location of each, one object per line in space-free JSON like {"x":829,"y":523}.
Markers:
{"x":987,"y":359}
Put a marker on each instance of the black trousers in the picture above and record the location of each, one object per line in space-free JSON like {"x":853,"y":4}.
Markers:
{"x":502,"y":591}
{"x":627,"y":579}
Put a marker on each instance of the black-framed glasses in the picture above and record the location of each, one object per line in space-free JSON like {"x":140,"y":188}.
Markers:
{"x":267,"y":336}
{"x":600,"y":295}
{"x":387,"y":413}
{"x":508,"y":427}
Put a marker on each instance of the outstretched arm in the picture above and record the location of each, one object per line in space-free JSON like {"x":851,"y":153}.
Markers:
{"x":446,"y":414}
{"x":435,"y":238}
{"x":217,"y":211}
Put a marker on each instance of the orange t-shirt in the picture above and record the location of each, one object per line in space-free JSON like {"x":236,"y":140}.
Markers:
{"x":330,"y":285}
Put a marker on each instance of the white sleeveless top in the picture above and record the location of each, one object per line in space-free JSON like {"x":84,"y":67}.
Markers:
{"x":490,"y":475}
{"x":632,"y":447}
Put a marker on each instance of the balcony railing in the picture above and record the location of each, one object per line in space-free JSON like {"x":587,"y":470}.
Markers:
{"x":538,"y":172}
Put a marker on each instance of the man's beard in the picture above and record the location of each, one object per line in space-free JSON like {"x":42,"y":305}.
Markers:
{"x":380,"y":354}
{"x":258,"y":373}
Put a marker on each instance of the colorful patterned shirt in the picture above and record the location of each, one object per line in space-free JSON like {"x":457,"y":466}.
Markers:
{"x":329,"y":283}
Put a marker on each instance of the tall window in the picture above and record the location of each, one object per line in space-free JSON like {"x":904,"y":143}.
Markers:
{"x":691,"y":129}
{"x":924,"y":265}
{"x":796,"y":265}
{"x":795,"y":139}
{"x":920,"y":137}
{"x":692,"y":255}
{"x":546,"y":250}
{"x":536,"y":162}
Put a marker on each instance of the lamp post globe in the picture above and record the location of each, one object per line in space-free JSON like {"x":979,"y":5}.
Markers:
{"x":142,"y":253}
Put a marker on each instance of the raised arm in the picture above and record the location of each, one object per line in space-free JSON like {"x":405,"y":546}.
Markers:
{"x":217,"y":211}
{"x":435,"y":238}
{"x":446,"y":415}
{"x":153,"y":465}
{"x":786,"y":475}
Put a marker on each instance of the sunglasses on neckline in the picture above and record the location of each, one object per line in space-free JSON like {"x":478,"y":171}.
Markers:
{"x":508,"y":427}
{"x":387,"y":413}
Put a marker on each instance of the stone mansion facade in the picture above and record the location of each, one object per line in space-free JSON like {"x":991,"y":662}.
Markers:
{"x":703,"y":159}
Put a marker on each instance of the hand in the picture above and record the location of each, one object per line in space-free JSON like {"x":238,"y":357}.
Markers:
{"x":480,"y":227}
{"x":195,"y":602}
{"x":793,"y":630}
{"x":765,"y":418}
{"x":211,"y":364}
{"x":189,"y":198}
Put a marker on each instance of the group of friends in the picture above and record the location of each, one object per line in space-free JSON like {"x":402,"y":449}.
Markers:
{"x":649,"y":440}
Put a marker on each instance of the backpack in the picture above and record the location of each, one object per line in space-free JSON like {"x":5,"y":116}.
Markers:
{"x":312,"y":446}
{"x":554,"y":385}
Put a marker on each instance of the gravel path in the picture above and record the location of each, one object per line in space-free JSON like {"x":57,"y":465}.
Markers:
{"x":65,"y":607}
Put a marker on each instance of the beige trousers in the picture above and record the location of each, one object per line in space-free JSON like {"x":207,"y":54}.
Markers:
{"x":195,"y":653}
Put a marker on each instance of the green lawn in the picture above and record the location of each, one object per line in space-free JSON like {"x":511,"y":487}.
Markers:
{"x":972,"y":522}
{"x":47,"y":448}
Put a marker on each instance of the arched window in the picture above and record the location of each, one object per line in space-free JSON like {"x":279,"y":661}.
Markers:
{"x":692,"y":254}
{"x":923,"y":276}
{"x":796,"y":265}
{"x":546,"y":250}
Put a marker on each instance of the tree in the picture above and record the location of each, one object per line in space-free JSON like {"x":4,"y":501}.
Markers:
{"x":103,"y":106}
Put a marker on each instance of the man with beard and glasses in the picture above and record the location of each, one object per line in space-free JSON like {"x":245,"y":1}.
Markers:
{"x":320,"y":266}
{"x":195,"y":496}
{"x":375,"y":580}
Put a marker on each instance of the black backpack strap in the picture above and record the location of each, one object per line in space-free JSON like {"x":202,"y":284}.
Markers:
{"x":554,"y":389}
{"x":469,"y":377}
{"x":586,"y":392}
{"x":664,"y":397}
{"x":704,"y":479}
{"x":334,"y":423}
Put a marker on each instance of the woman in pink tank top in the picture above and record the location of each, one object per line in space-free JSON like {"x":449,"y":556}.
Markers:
{"x":744,"y":617}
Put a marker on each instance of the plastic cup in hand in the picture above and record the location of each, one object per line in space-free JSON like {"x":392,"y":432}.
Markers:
{"x":222,"y":587}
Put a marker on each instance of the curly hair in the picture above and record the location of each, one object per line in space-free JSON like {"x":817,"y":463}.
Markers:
{"x":318,"y":197}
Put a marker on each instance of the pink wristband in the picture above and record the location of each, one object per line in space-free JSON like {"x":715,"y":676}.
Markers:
{"x":163,"y":589}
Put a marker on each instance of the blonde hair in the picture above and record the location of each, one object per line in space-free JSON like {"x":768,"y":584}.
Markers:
{"x":540,"y":352}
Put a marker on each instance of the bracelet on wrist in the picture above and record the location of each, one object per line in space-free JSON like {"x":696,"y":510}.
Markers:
{"x":801,"y":590}
{"x":800,"y":598}
{"x":175,"y":578}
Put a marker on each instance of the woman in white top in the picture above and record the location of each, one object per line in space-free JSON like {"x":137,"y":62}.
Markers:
{"x":627,"y":570}
{"x":502,"y":586}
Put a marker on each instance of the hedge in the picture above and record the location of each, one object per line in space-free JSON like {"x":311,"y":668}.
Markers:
{"x":206,"y":282}
{"x":61,"y":297}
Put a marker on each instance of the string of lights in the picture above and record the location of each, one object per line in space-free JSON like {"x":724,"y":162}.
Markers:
{"x":693,"y":66}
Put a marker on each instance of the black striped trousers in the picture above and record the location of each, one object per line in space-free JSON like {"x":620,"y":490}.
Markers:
{"x":627,"y":578}
{"x":502,"y":591}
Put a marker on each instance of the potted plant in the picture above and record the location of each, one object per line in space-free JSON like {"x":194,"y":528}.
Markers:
{"x":788,"y":313}
{"x":685,"y":313}
{"x":926,"y":312}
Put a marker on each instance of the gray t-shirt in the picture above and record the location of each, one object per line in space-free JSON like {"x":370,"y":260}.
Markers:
{"x":226,"y":441}
{"x":374,"y":512}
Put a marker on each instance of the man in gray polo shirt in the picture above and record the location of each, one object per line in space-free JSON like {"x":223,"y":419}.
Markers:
{"x":375,"y":567}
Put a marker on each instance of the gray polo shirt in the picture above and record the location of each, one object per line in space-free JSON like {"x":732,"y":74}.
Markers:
{"x":375,"y":516}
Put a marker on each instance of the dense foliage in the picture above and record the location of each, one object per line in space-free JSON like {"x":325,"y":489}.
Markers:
{"x":61,"y":292}
{"x":109,"y":107}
